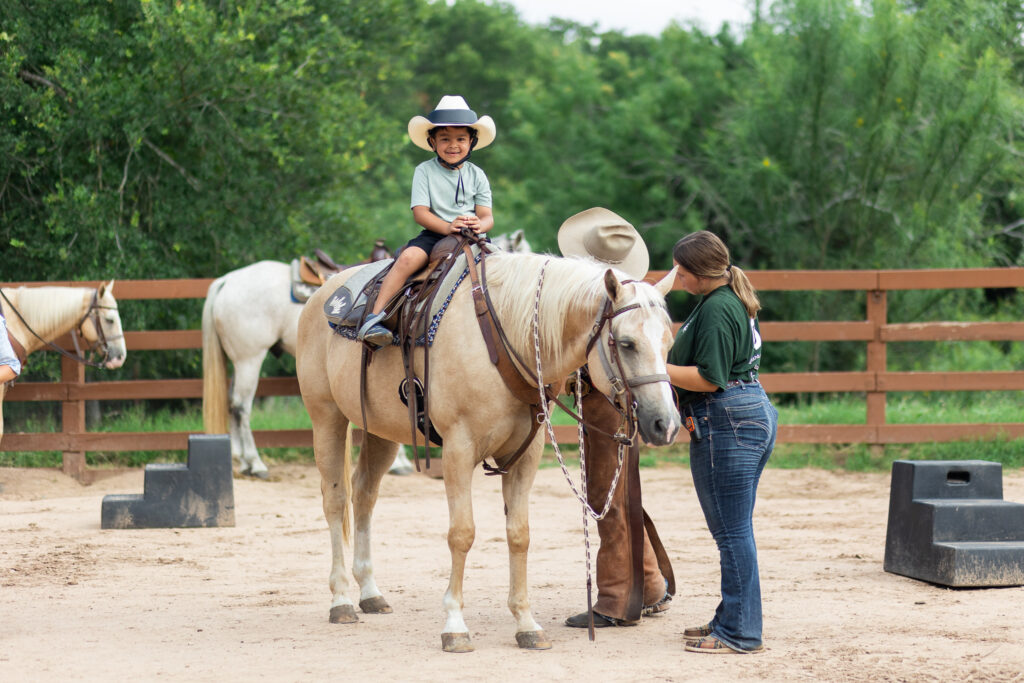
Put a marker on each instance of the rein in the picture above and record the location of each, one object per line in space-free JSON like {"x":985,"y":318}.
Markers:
{"x":501,"y":354}
{"x":623,"y":402}
{"x":78,"y":356}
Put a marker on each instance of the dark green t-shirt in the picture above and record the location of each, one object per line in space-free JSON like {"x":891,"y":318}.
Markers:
{"x":720,"y":339}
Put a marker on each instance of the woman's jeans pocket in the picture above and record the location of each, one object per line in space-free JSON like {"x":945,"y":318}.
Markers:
{"x":751,"y":426}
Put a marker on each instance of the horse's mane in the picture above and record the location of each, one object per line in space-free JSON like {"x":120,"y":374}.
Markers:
{"x":47,"y":309}
{"x":571,"y":286}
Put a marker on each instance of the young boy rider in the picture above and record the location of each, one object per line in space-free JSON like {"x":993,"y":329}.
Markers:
{"x":448,"y":194}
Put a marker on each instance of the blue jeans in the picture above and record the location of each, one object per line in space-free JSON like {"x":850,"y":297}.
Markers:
{"x":739,"y":426}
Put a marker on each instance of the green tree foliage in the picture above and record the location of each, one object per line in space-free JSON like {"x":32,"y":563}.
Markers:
{"x":872,"y":137}
{"x":145,"y":138}
{"x":187,"y":138}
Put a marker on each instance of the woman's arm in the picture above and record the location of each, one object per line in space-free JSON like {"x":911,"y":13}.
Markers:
{"x":687,"y":377}
{"x":6,"y":374}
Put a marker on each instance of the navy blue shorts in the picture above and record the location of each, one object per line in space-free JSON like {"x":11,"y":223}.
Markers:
{"x":425,"y":240}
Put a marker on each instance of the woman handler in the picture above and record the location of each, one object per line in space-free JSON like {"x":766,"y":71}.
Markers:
{"x":714,"y":364}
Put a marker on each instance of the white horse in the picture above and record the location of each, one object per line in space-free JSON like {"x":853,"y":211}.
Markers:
{"x":247,"y":313}
{"x":38,"y":315}
{"x":580,"y":308}
{"x":514,"y":242}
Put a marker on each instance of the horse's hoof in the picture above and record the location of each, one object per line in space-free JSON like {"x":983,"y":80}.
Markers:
{"x":264,"y":475}
{"x":456,"y":642}
{"x":375,"y":605}
{"x":343,"y":614}
{"x":533,"y":640}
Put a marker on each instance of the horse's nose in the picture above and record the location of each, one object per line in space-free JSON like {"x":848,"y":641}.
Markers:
{"x":667,"y":427}
{"x":671,"y":430}
{"x":659,"y":430}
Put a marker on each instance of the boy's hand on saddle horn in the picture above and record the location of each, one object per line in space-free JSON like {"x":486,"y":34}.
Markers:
{"x":468,"y":221}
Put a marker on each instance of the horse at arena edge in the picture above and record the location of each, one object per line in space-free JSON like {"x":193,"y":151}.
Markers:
{"x":36,"y":316}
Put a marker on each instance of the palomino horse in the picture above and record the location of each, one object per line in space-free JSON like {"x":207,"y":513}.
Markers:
{"x":38,"y":315}
{"x":247,"y":313}
{"x":473,"y":411}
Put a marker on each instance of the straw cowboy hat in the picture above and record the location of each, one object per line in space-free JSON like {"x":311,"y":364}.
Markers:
{"x":607,"y":237}
{"x":452,"y":110}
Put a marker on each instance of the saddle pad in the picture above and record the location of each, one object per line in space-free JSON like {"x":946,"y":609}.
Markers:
{"x":345,"y":306}
{"x":300,"y":290}
{"x":450,"y":283}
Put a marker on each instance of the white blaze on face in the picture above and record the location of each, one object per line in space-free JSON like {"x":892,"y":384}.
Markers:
{"x":654,"y":330}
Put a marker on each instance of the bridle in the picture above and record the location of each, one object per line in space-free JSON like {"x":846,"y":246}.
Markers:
{"x":93,"y":315}
{"x":622,"y":385}
{"x":611,"y":361}
{"x":102,"y":340}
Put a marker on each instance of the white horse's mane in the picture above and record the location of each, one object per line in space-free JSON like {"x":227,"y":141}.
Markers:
{"x":571,"y":286}
{"x":48,"y":308}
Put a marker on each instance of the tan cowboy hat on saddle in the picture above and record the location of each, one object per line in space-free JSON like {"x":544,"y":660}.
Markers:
{"x":607,"y":237}
{"x":452,"y":110}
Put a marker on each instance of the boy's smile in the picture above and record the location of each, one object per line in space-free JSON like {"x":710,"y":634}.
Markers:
{"x":452,"y":144}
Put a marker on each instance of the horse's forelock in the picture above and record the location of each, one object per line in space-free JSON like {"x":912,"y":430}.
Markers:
{"x":647,"y":295}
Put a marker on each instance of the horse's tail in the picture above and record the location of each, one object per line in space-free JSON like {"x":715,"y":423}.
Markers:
{"x":215,"y":371}
{"x":346,"y":515}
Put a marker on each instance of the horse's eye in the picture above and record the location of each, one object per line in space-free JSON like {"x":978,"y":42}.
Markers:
{"x":627,"y":345}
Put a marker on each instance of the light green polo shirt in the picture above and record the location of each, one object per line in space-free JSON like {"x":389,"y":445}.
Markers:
{"x":434,"y":186}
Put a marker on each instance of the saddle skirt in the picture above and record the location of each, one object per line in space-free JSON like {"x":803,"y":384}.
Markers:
{"x":345,"y":307}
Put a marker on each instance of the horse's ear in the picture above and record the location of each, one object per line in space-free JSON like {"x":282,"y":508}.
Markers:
{"x":107,"y":288}
{"x":612,"y":285}
{"x":664,"y":285}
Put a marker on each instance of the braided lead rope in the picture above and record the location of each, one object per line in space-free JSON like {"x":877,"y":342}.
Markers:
{"x":577,"y":390}
{"x":587,"y":509}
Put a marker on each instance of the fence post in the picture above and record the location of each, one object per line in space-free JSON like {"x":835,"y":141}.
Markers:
{"x":876,"y":361}
{"x":72,"y":417}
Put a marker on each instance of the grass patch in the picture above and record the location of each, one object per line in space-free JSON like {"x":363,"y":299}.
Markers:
{"x":288,"y":412}
{"x":907,"y":408}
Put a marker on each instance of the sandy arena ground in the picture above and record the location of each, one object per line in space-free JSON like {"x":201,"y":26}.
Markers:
{"x":251,"y":602}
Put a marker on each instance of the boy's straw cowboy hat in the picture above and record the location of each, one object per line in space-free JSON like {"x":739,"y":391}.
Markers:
{"x":605,"y":236}
{"x":452,"y":110}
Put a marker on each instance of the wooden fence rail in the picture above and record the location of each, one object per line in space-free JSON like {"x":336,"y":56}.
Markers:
{"x":875,"y":381}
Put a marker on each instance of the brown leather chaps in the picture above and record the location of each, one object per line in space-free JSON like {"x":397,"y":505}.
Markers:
{"x":631,"y":570}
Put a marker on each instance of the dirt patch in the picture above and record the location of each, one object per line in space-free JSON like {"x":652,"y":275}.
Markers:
{"x":250,"y":602}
